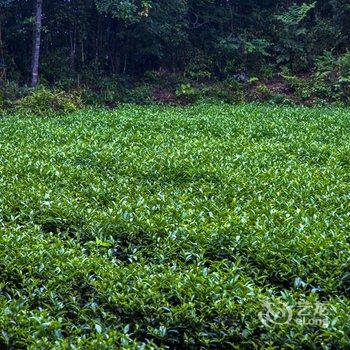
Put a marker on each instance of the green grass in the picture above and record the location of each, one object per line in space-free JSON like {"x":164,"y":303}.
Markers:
{"x":150,"y":227}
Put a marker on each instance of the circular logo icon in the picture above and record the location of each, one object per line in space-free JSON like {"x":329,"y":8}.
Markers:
{"x":276,"y":314}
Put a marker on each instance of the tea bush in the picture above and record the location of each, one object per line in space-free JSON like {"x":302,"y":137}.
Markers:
{"x":156,"y":227}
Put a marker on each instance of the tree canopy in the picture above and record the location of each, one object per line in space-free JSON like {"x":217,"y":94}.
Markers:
{"x":213,"y":37}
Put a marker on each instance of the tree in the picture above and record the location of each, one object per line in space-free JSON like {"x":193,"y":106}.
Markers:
{"x":36,"y":42}
{"x":85,"y":39}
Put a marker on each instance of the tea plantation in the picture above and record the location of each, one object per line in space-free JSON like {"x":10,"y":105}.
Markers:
{"x":170,"y":227}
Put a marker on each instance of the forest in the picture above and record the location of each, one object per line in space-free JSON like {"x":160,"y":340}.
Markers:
{"x":229,"y":50}
{"x":174,"y":175}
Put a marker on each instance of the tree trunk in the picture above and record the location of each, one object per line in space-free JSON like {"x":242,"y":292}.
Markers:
{"x":1,"y":45}
{"x":73,"y":49}
{"x":98,"y":39}
{"x":36,"y":42}
{"x":2,"y":57}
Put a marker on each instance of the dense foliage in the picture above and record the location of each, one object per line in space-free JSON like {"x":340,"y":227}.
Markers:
{"x":201,"y":39}
{"x":170,"y":226}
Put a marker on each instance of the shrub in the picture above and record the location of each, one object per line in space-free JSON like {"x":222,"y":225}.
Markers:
{"x":344,"y":64}
{"x":200,"y":68}
{"x":187,"y":93}
{"x":263,"y":91}
{"x":280,"y":99}
{"x":332,"y":77}
{"x":229,"y":91}
{"x":141,"y":95}
{"x":218,"y":92}
{"x":326,"y":66}
{"x":151,"y":77}
{"x":303,"y":88}
{"x":253,"y":81}
{"x":162,"y":95}
{"x":107,"y":92}
{"x":10,"y":92}
{"x":1,"y":100}
{"x":44,"y":102}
